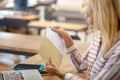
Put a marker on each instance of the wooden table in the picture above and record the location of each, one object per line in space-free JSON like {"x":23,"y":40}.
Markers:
{"x":22,"y":44}
{"x":66,"y":65}
{"x":16,"y":18}
{"x":19,"y":44}
{"x":22,"y":15}
{"x":68,"y":26}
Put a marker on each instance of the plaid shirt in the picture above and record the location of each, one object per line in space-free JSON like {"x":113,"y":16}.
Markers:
{"x":98,"y":66}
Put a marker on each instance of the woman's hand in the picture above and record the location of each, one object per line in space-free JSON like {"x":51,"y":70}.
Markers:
{"x":66,"y":37}
{"x":51,"y":68}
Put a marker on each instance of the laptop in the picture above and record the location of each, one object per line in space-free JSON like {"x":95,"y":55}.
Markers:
{"x":20,"y":75}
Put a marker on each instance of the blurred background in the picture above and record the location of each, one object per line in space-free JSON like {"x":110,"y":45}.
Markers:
{"x":29,"y":17}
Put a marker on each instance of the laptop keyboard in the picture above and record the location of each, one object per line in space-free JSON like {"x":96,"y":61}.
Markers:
{"x":1,"y":76}
{"x":13,"y":76}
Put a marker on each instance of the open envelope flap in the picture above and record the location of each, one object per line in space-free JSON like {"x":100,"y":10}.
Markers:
{"x":47,"y":50}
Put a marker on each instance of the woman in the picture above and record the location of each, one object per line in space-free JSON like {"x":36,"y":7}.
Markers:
{"x":102,"y":59}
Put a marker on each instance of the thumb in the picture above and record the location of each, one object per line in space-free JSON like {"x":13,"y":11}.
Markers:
{"x":51,"y":62}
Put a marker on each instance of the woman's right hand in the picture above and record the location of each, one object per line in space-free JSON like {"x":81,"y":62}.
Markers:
{"x":66,"y":37}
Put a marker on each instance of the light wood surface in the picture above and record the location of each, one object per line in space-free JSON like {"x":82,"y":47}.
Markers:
{"x":17,"y":15}
{"x":66,"y":65}
{"x":25,"y":43}
{"x":19,"y":42}
{"x":64,"y":25}
{"x":4,"y":67}
{"x":24,"y":17}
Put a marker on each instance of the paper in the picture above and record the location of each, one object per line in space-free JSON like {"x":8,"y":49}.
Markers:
{"x":55,"y":39}
{"x":52,"y":46}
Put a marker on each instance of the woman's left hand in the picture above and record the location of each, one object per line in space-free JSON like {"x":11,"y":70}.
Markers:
{"x":51,"y":68}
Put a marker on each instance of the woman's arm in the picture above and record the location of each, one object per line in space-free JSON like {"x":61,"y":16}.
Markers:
{"x":111,"y":70}
{"x":81,"y":66}
{"x":79,"y":62}
{"x":73,"y":51}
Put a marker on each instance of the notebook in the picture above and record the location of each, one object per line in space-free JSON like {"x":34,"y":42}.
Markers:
{"x":52,"y":46}
{"x":20,"y":75}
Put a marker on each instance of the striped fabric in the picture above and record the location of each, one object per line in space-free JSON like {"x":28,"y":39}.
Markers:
{"x":98,"y":66}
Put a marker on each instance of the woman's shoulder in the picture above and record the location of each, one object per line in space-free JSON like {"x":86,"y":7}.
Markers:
{"x":117,"y":47}
{"x":115,"y":50}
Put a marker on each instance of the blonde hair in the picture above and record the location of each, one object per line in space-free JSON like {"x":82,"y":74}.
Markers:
{"x":106,"y":17}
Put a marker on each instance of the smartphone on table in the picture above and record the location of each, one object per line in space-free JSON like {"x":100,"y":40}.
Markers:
{"x":20,"y":66}
{"x":39,"y":67}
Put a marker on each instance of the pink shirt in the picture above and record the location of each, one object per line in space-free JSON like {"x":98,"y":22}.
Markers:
{"x":98,"y":66}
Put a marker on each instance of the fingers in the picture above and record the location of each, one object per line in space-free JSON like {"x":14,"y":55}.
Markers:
{"x":51,"y":68}
{"x":56,"y":27}
{"x":48,"y":67}
{"x":51,"y":62}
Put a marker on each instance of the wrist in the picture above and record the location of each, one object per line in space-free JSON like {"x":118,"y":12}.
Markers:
{"x":69,"y":43}
{"x":60,"y":75}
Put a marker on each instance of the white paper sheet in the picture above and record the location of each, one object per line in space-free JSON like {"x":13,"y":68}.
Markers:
{"x":56,"y":40}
